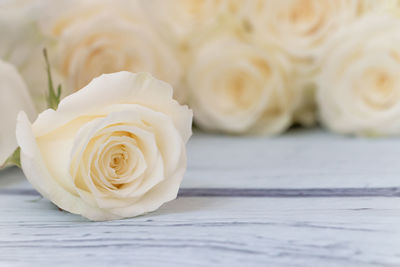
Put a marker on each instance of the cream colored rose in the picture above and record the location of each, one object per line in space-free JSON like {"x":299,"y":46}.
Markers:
{"x":177,"y":20}
{"x":14,"y":97}
{"x":236,"y":87}
{"x":112,"y":150}
{"x":108,"y":36}
{"x":359,"y":83}
{"x":299,"y":26}
{"x":181,"y":23}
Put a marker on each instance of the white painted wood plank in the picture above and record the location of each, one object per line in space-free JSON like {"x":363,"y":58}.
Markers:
{"x":231,"y":231}
{"x":13,"y":178}
{"x":207,"y":232}
{"x":297,"y":160}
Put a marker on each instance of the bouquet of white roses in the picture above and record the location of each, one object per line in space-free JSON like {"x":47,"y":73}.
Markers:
{"x":112,"y":143}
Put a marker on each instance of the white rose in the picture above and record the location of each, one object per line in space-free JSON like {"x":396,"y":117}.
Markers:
{"x":237,"y":87}
{"x":14,"y":97}
{"x":22,"y":44}
{"x":299,"y":26}
{"x":178,"y":19}
{"x":114,"y":149}
{"x":359,"y":83}
{"x":108,"y":36}
{"x":181,"y":23}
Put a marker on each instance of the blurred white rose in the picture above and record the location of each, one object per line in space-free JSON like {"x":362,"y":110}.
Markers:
{"x":112,"y":150}
{"x":22,"y":43}
{"x":299,"y":26}
{"x":96,"y":37}
{"x":177,"y":20}
{"x":359,"y":83}
{"x":14,"y":97}
{"x":236,"y":87}
{"x":181,"y":23}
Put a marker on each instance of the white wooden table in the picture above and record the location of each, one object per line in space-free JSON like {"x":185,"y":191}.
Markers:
{"x":307,"y":198}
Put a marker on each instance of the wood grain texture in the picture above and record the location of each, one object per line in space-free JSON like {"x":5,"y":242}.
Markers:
{"x":303,"y":199}
{"x":208,"y":231}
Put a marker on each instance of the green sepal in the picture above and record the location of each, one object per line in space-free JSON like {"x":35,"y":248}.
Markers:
{"x":54,"y":96}
{"x":14,"y":159}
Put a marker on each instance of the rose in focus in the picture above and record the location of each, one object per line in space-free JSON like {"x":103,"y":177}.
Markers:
{"x":112,"y":150}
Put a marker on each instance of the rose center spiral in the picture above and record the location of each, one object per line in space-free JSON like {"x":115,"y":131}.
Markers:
{"x":119,"y":161}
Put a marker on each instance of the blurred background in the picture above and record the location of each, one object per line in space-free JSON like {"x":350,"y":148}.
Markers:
{"x":244,"y":67}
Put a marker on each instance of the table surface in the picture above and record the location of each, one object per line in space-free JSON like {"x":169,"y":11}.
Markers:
{"x":307,"y":198}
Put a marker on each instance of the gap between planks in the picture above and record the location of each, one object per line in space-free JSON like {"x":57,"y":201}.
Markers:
{"x":249,"y":192}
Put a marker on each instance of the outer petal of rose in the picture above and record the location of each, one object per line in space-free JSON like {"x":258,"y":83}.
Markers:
{"x":38,"y":175}
{"x":118,"y":88}
{"x":14,"y":97}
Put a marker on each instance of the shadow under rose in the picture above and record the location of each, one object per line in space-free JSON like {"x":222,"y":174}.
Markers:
{"x":11,"y":176}
{"x":184,"y":205}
